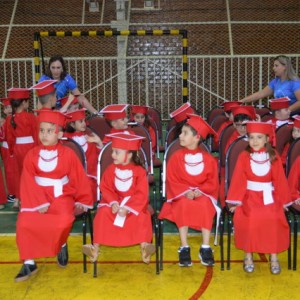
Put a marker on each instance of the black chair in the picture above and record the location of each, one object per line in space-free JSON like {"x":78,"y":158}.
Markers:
{"x":231,"y":157}
{"x":156,"y":117}
{"x":99,"y":125}
{"x":217,"y":111}
{"x":170,"y":150}
{"x":85,"y":216}
{"x":283,"y":136}
{"x":215,"y":125}
{"x":105,"y":160}
{"x":293,"y":154}
{"x":262,"y":111}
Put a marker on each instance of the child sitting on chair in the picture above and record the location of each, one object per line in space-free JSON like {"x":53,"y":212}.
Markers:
{"x":122,"y":218}
{"x":192,"y":190}
{"x":91,"y":144}
{"x":260,"y":190}
{"x":295,"y":135}
{"x":280,"y":111}
{"x":116,"y":116}
{"x":53,"y":183}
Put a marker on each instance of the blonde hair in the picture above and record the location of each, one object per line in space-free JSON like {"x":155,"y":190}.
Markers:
{"x":286,"y":61}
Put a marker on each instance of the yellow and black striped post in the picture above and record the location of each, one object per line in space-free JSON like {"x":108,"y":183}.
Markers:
{"x":109,"y":33}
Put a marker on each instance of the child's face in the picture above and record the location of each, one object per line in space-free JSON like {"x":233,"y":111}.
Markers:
{"x":25,"y":104}
{"x":120,"y":156}
{"x":7,"y":110}
{"x":257,"y":141}
{"x":139,"y":118}
{"x":48,"y":135}
{"x":240,"y":127}
{"x":120,"y":123}
{"x":188,"y":139}
{"x":282,"y":114}
{"x":296,"y":133}
{"x":80,"y":125}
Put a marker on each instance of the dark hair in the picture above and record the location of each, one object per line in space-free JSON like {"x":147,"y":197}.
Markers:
{"x":136,"y":158}
{"x":147,"y":122}
{"x":14,"y":105}
{"x":61,"y":60}
{"x":69,"y":128}
{"x":269,"y":149}
{"x":241,"y":118}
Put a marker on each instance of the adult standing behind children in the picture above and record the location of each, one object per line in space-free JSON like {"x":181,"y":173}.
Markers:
{"x":285,"y":84}
{"x":65,"y":82}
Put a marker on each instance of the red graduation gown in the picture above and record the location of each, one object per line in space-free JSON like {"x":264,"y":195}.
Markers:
{"x":198,"y":213}
{"x":294,"y":179}
{"x":42,"y":235}
{"x":118,"y":182}
{"x":259,"y":227}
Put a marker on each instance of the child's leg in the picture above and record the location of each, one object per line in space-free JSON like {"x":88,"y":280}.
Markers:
{"x":147,"y":250}
{"x":183,"y":231}
{"x":92,"y":251}
{"x":28,"y":268}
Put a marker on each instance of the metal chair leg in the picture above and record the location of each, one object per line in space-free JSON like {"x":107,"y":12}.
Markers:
{"x":84,"y":240}
{"x":229,"y":229}
{"x":295,"y":241}
{"x":161,"y":229}
{"x":222,"y":218}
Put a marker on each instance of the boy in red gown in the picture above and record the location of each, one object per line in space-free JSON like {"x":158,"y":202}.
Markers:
{"x":280,"y":111}
{"x":53,"y":183}
{"x":260,"y":190}
{"x":122,"y":218}
{"x":192,"y":190}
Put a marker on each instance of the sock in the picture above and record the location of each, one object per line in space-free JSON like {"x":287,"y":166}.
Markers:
{"x":205,"y":246}
{"x":29,"y":262}
{"x":182,"y":247}
{"x":64,"y":245}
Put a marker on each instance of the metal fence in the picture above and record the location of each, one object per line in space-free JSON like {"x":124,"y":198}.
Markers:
{"x":156,"y":81}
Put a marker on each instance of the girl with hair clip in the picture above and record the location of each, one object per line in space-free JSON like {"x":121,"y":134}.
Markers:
{"x":21,"y":130}
{"x":285,"y":84}
{"x":122,"y":218}
{"x":91,"y":144}
{"x":65,"y":82}
{"x":257,"y":194}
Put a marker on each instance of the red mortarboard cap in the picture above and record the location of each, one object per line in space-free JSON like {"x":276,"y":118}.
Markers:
{"x":19,"y":93}
{"x":64,"y":100}
{"x":180,"y":114}
{"x":296,"y":121}
{"x":126,"y":141}
{"x":76,"y":115}
{"x":200,"y":126}
{"x":229,"y":104}
{"x":245,"y":110}
{"x":5,"y":101}
{"x":279,"y":103}
{"x":45,"y":87}
{"x":114,"y":111}
{"x":137,"y":109}
{"x":262,"y":127}
{"x":51,"y":116}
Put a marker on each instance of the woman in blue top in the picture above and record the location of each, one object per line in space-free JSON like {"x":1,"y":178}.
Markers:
{"x":285,"y":84}
{"x":65,"y":82}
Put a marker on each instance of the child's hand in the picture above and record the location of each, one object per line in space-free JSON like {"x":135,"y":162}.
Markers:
{"x":94,"y":138}
{"x":258,"y":118}
{"x":232,"y":209}
{"x":297,"y":201}
{"x":79,"y":209}
{"x":122,"y":212}
{"x":197,"y":193}
{"x":43,"y":210}
{"x":114,"y":208}
{"x":190,"y":195}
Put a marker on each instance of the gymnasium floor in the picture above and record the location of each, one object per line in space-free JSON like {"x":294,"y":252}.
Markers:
{"x":122,"y":275}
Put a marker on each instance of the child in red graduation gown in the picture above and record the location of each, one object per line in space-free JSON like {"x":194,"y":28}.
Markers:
{"x":53,"y":183}
{"x":11,"y":170}
{"x":122,"y":218}
{"x":21,"y":130}
{"x":91,"y":144}
{"x":260,"y":190}
{"x":294,"y":182}
{"x":192,"y":190}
